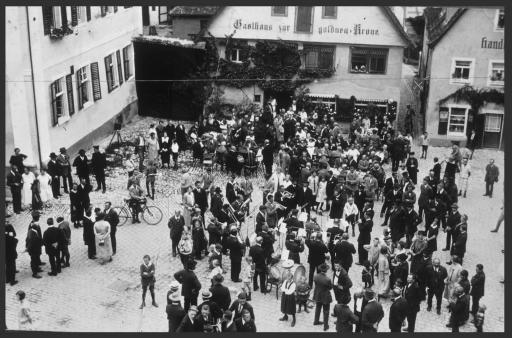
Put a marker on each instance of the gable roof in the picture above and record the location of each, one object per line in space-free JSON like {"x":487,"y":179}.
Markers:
{"x":387,"y":10}
{"x":192,"y":11}
{"x":438,"y":24}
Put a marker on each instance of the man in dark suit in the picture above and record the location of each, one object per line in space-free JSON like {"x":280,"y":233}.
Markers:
{"x":33,"y":244}
{"x":14,"y":181}
{"x":187,"y":323}
{"x":261,"y":218}
{"x":412,"y":167}
{"x":112,"y":218}
{"x":10,"y":254}
{"x":82,"y":166}
{"x":343,"y":251}
{"x":220,"y":294}
{"x":316,"y":257}
{"x":175,"y":312}
{"x":17,"y":160}
{"x":240,"y":305}
{"x":305,"y":197}
{"x":391,"y":182}
{"x":83,"y":191}
{"x":452,"y":221}
{"x":492,"y":174}
{"x":398,"y":311}
{"x":329,"y":189}
{"x":51,"y":239}
{"x":99,"y":164}
{"x":258,"y":257}
{"x":345,"y":317}
{"x":201,"y":198}
{"x":230,"y":190}
{"x":390,"y":197}
{"x":400,"y":271}
{"x":365,"y":237}
{"x":176,"y":225}
{"x":214,"y":229}
{"x":322,"y":296}
{"x":54,"y":172}
{"x":337,"y":205}
{"x":412,"y":293}
{"x":190,"y":285}
{"x":359,"y":304}
{"x":292,"y":223}
{"x":437,"y":274}
{"x":268,"y":243}
{"x":459,"y":245}
{"x":65,"y":169}
{"x":216,"y":203}
{"x":268,"y":157}
{"x":88,"y":234}
{"x":341,"y":283}
{"x":411,"y":221}
{"x":372,"y":313}
{"x":458,"y":305}
{"x":396,"y":222}
{"x":477,"y":288}
{"x":245,"y":323}
{"x":236,"y":252}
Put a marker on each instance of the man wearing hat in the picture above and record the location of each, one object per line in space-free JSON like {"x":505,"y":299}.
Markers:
{"x":239,"y":305}
{"x":236,"y":252}
{"x":258,"y":257}
{"x":220,"y":294}
{"x":268,"y":157}
{"x":216,"y":202}
{"x":33,"y":244}
{"x":322,"y":296}
{"x":54,"y":172}
{"x":412,"y":167}
{"x":452,"y":220}
{"x":190,"y":285}
{"x":82,"y":166}
{"x":215,"y":310}
{"x":187,"y":323}
{"x":99,"y":163}
{"x":10,"y":256}
{"x":15,"y":183}
{"x":345,"y":317}
{"x":52,"y":237}
{"x":398,"y":311}
{"x":65,"y":167}
{"x":173,"y":289}
{"x":372,"y":313}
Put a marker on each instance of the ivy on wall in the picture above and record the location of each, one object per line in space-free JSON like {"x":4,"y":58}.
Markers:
{"x":475,"y":97}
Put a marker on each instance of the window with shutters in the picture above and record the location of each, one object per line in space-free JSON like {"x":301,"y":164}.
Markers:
{"x":127,"y":63}
{"x":457,"y":120}
{"x":318,"y":57}
{"x":496,"y":73}
{"x":84,"y":87}
{"x":95,"y":79}
{"x":368,"y":60}
{"x":304,"y":19}
{"x":236,"y":55}
{"x":329,"y":12}
{"x":462,"y":71}
{"x":61,"y":91}
{"x":111,"y":72}
{"x":279,"y":11}
{"x":499,"y":20}
{"x":163,"y":14}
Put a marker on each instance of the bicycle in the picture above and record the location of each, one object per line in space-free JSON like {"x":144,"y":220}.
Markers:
{"x":151,"y":214}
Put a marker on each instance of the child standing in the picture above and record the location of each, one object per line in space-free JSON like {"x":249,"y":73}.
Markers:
{"x":247,"y":277}
{"x":217,"y":269}
{"x":303,"y":290}
{"x":367,"y":274}
{"x":480,"y":317}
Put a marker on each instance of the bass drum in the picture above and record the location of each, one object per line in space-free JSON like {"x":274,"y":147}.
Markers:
{"x":300,"y":272}
{"x":275,"y":276}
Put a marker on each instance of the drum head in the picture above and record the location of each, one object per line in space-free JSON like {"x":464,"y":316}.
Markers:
{"x":300,"y":271}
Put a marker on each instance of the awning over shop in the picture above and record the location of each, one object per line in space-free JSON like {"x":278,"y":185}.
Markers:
{"x":322,"y":96}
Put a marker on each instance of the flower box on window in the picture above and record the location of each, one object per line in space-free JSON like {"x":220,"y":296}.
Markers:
{"x":59,"y":33}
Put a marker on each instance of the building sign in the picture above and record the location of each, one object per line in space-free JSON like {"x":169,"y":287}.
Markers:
{"x":356,"y":29}
{"x":491,"y":44}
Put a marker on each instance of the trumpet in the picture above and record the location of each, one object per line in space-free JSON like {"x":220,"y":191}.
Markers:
{"x":288,"y":195}
{"x":279,"y":205}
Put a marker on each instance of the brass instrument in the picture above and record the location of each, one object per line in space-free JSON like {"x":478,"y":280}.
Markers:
{"x":288,"y":195}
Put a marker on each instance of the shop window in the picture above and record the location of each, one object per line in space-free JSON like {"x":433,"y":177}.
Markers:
{"x":496,"y":73}
{"x":329,"y":12}
{"x":304,"y":19}
{"x":499,"y":21}
{"x":462,"y":71}
{"x":368,"y":60}
{"x":319,"y":57}
{"x":443,"y":120}
{"x":493,"y":123}
{"x":279,"y":11}
{"x":457,"y":121}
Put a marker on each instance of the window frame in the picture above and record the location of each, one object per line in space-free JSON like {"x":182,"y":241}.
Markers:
{"x":368,"y":58}
{"x":496,"y":19}
{"x":493,"y":114}
{"x":79,"y":10}
{"x":471,"y":75}
{"x":90,"y":94}
{"x":238,"y":60}
{"x":327,"y":16}
{"x":273,"y":13}
{"x":317,"y":49}
{"x":56,"y":17}
{"x":466,"y":115}
{"x":131,"y":74}
{"x":490,"y":82}
{"x":64,"y":99}
{"x":115,"y":72}
{"x":160,"y":13}
{"x":297,"y":16}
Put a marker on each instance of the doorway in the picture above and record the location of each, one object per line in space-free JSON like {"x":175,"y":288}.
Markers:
{"x":492,"y":130}
{"x":283,"y":99}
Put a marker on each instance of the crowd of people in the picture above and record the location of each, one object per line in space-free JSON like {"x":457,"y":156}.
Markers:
{"x":311,"y":171}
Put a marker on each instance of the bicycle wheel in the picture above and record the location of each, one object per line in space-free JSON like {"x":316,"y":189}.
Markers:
{"x":123,"y":215}
{"x":152,"y":215}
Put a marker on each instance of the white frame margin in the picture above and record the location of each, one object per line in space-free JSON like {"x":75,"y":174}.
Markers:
{"x":471,"y":71}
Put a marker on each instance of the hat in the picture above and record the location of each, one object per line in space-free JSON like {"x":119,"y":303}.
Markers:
{"x":206,"y":294}
{"x":63,"y":149}
{"x":35,"y":213}
{"x":174,"y":297}
{"x":267,"y":141}
{"x":191,"y":265}
{"x":175,"y":286}
{"x":242,"y":295}
{"x":218,"y":278}
{"x":52,"y":155}
{"x":288,"y":263}
{"x":454,"y":205}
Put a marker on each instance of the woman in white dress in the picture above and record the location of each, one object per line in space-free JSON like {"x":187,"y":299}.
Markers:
{"x":321,"y":195}
{"x":311,"y":145}
{"x":384,"y":272}
{"x":45,"y":181}
{"x":188,"y":205}
{"x":26,"y":194}
{"x":153,"y":148}
{"x":102,"y":239}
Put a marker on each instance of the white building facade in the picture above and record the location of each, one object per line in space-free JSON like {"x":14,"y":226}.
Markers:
{"x":69,"y":74}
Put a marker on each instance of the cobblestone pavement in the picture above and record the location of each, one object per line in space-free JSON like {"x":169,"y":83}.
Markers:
{"x":93,"y":297}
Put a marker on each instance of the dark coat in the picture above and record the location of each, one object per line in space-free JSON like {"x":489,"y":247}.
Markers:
{"x":491,"y":173}
{"x":345,"y":318}
{"x":82,"y":166}
{"x":83,"y":195}
{"x":436,"y":280}
{"x":397,"y":314}
{"x":268,"y":243}
{"x":458,"y":311}
{"x":293,"y":223}
{"x":215,"y":233}
{"x":216,"y":205}
{"x":344,"y":251}
{"x":414,"y":296}
{"x":411,"y":220}
{"x":317,"y":251}
{"x":247,"y":327}
{"x":426,"y":193}
{"x":236,"y":249}
{"x":53,"y":169}
{"x":113,"y":219}
{"x":365,"y":231}
{"x":372,"y":313}
{"x":53,"y":235}
{"x":478,"y":285}
{"x":10,"y":243}
{"x":221,"y":296}
{"x":238,"y":313}
{"x":175,"y":315}
{"x":99,"y":163}
{"x":176,"y":227}
{"x":190,"y":285}
{"x":294,"y":247}
{"x":186,"y":325}
{"x":258,"y":257}
{"x":459,"y":246}
{"x":88,"y":234}
{"x":34,"y":241}
{"x":401,"y":271}
{"x":342,"y":289}
{"x":201,"y":199}
{"x":337,"y":207}
{"x":323,"y":286}
{"x":215,"y":309}
{"x":260,"y":220}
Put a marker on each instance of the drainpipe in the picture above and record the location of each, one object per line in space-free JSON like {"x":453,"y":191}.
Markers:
{"x":33,"y":89}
